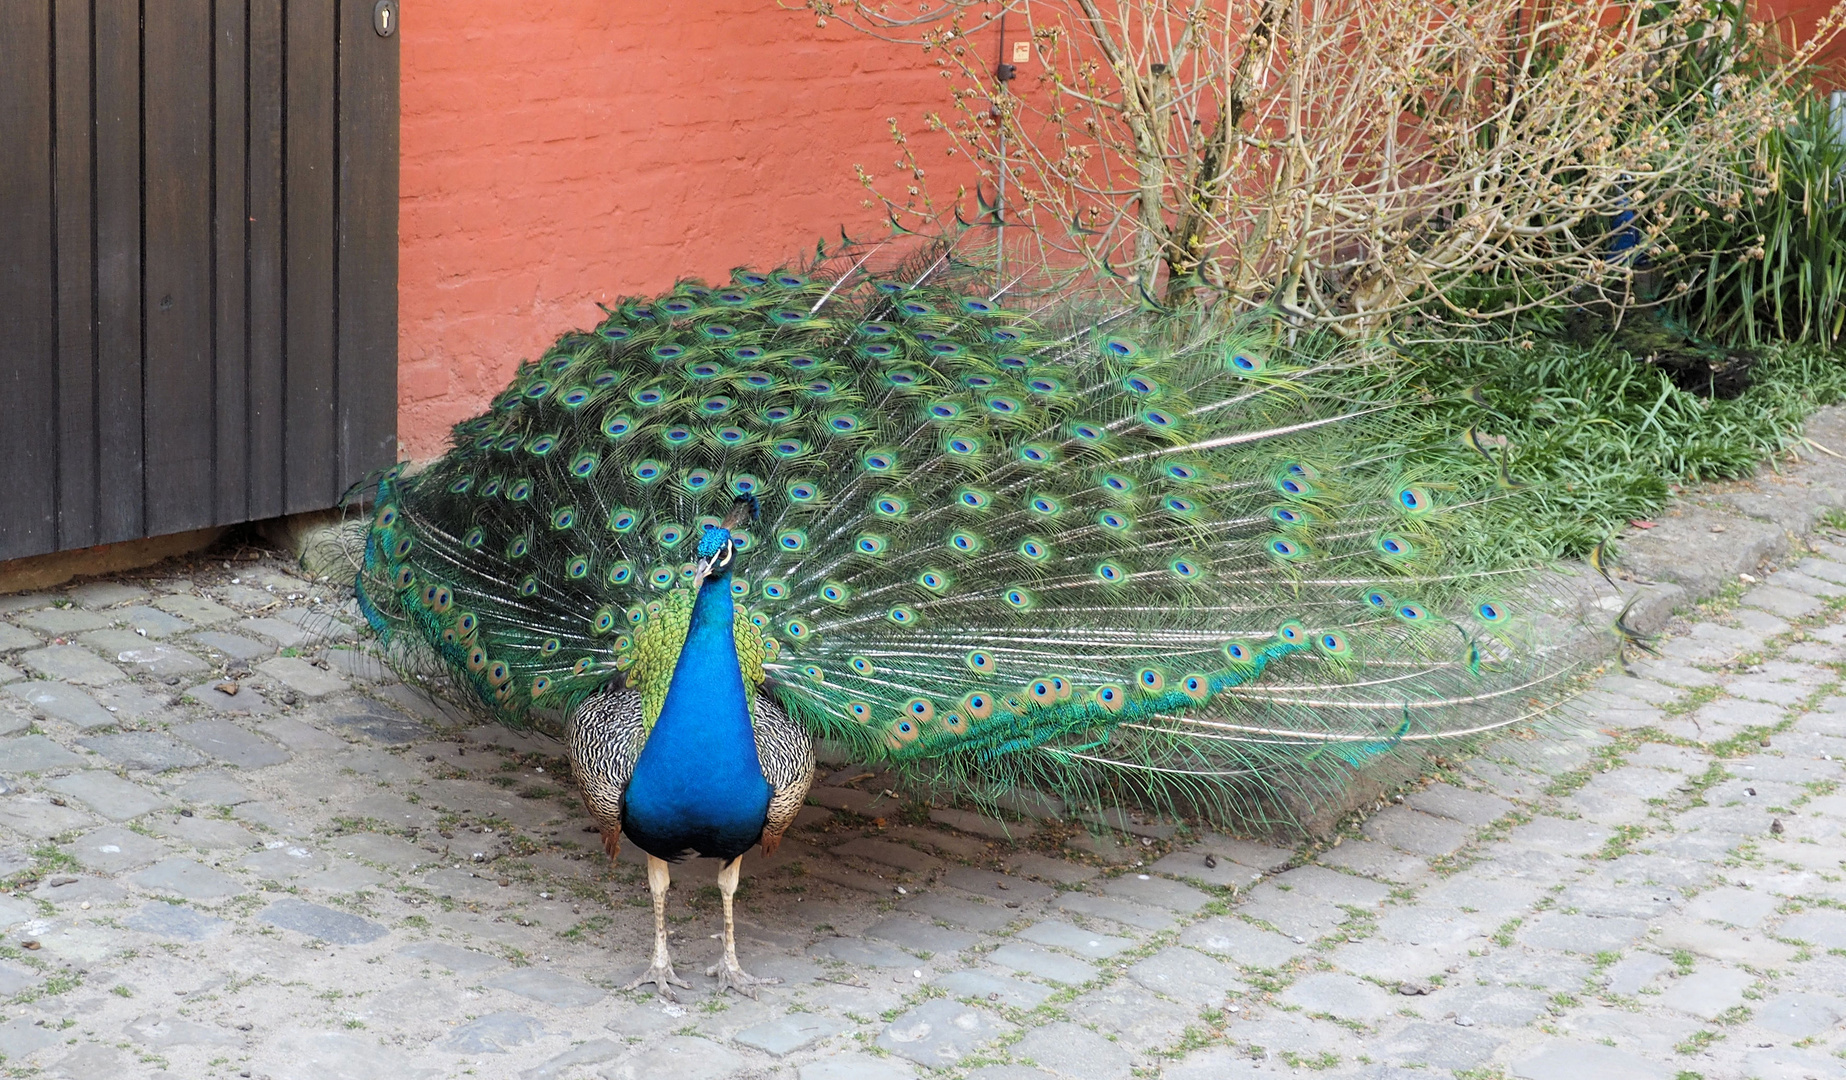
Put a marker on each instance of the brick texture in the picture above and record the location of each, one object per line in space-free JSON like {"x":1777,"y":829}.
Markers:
{"x":561,"y":152}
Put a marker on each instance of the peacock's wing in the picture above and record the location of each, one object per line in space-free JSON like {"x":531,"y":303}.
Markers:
{"x":605,"y":738}
{"x":1060,"y":547}
{"x":786,"y":752}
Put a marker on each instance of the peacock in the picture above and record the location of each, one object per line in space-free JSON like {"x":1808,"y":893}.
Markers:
{"x":989,"y":536}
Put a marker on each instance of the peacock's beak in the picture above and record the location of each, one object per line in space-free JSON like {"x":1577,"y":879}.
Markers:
{"x":701,"y":569}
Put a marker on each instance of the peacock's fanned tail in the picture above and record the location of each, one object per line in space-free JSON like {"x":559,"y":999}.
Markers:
{"x":1090,"y":551}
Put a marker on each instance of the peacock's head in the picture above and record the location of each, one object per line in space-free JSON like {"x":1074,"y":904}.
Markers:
{"x":718,"y":547}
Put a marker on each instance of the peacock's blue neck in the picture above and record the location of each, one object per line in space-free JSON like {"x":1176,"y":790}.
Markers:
{"x":707,"y":680}
{"x":698,"y":784}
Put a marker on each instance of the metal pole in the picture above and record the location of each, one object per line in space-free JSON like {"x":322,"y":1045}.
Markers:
{"x":1003,"y":73}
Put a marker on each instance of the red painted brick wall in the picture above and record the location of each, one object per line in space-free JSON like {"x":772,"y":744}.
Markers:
{"x":559,"y":152}
{"x":1801,"y":16}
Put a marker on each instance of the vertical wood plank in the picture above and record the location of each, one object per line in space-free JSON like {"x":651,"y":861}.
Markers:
{"x":177,"y":286}
{"x":118,"y":270}
{"x":230,"y":239}
{"x":368,"y":133}
{"x":198,"y":261}
{"x":76,"y":256}
{"x":28,"y":273}
{"x":263,"y":418}
{"x":308,"y":153}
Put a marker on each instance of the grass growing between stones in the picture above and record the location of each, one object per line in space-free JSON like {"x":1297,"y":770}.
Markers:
{"x":1697,"y":1042}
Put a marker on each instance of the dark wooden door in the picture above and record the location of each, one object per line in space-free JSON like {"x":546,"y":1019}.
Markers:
{"x":198,"y":263}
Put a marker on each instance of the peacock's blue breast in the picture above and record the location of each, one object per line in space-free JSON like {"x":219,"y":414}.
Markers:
{"x":698,"y":785}
{"x":697,"y":795}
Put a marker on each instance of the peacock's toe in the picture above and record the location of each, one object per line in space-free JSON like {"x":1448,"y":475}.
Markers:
{"x":735,"y":978}
{"x":664,"y":980}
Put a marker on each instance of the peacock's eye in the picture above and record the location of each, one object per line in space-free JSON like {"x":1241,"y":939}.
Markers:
{"x":725,"y":553}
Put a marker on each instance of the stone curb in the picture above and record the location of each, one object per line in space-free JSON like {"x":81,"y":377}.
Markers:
{"x":1706,"y":537}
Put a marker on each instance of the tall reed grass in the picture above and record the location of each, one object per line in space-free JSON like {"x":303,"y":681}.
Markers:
{"x":1776,"y":268}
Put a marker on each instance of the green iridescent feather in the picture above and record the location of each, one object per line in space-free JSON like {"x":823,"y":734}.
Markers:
{"x":1082,"y":550}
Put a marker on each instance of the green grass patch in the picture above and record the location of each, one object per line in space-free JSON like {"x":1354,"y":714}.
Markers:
{"x":1600,"y":437}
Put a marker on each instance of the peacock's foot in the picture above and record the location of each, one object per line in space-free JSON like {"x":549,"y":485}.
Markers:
{"x":732,"y":977}
{"x":663,"y":978}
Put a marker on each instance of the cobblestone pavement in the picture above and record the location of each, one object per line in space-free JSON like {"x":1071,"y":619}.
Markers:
{"x":326,"y":876}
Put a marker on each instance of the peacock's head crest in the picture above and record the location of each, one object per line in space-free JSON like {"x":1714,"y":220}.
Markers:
{"x":718,"y":546}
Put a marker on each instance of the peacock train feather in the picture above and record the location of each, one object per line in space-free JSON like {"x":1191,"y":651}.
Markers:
{"x":1103,"y":553}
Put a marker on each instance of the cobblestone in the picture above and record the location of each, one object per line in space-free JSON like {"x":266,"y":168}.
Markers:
{"x":1043,"y":963}
{"x":469,"y":925}
{"x":12,"y":638}
{"x":1073,"y":1051}
{"x":1187,"y":976}
{"x":108,"y":794}
{"x":102,"y":594}
{"x":302,"y":677}
{"x":144,"y":656}
{"x":1476,"y":808}
{"x":232,"y":744}
{"x":148,"y":751}
{"x":72,"y":664}
{"x":153,"y":622}
{"x":986,"y":986}
{"x":62,"y":701}
{"x":235,"y":646}
{"x":62,"y":622}
{"x":323,"y":923}
{"x":33,"y":753}
{"x":195,"y":609}
{"x":1061,"y":935}
{"x":920,"y":936}
{"x":1341,"y":996}
{"x":187,"y":878}
{"x":113,"y":850}
{"x":1124,"y":912}
{"x":1417,"y":833}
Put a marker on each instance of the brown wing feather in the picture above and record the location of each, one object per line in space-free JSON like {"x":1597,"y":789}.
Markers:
{"x":605,"y":739}
{"x":786,"y":752}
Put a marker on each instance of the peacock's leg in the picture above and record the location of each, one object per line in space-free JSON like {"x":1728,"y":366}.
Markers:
{"x":661,"y":972}
{"x":730,"y":975}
